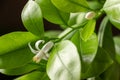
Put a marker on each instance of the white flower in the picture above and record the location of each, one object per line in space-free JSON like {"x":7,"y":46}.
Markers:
{"x":41,"y":53}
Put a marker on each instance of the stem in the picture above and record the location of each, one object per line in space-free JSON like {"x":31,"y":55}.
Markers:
{"x":64,"y":34}
{"x":99,"y":14}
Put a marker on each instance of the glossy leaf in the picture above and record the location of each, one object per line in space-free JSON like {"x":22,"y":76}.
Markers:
{"x":64,"y":62}
{"x":24,"y":69}
{"x":95,"y":4}
{"x":87,"y":49}
{"x":101,"y":62}
{"x":71,"y":5}
{"x":98,"y":78}
{"x":52,"y":33}
{"x":112,"y":8}
{"x":67,"y":33}
{"x":16,"y":58}
{"x":36,"y":75}
{"x":32,"y":18}
{"x":14,"y":50}
{"x":112,"y":73}
{"x":94,"y":78}
{"x":51,"y":13}
{"x":76,"y":39}
{"x":77,"y":19}
{"x":20,"y":70}
{"x":15,"y":40}
{"x":117,"y":48}
{"x":88,"y":30}
{"x":106,"y":38}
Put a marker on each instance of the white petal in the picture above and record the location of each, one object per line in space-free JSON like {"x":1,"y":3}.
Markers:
{"x":38,"y":43}
{"x":32,"y":50}
{"x":37,"y":58}
{"x":47,"y":46}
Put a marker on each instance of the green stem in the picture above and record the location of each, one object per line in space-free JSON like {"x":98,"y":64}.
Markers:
{"x":99,"y":14}
{"x":64,"y":34}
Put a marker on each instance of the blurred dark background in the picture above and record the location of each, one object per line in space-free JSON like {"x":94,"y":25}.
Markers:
{"x":10,"y":16}
{"x":10,"y":20}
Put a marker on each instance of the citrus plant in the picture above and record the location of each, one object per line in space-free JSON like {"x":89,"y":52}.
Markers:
{"x":79,"y":52}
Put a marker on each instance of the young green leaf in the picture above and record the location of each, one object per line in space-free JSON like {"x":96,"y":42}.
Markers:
{"x":32,"y":18}
{"x":112,"y":8}
{"x":51,"y":13}
{"x":36,"y":75}
{"x":64,"y":62}
{"x":15,"y":40}
{"x":88,"y":30}
{"x":71,"y":5}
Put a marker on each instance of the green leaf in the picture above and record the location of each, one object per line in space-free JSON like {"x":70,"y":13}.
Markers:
{"x":71,"y":5}
{"x":20,"y":70}
{"x":106,"y":38}
{"x":112,"y":8}
{"x":76,"y":39}
{"x":101,"y":62}
{"x":51,"y":13}
{"x":112,"y":73}
{"x":94,"y":78}
{"x":52,"y":33}
{"x":87,"y":49}
{"x":15,"y":40}
{"x":32,"y":18}
{"x":77,"y":19}
{"x":117,"y":48}
{"x":64,"y":62}
{"x":24,"y":69}
{"x":67,"y":34}
{"x":14,"y":51}
{"x":88,"y":30}
{"x":95,"y":4}
{"x":36,"y":75}
{"x":15,"y":58}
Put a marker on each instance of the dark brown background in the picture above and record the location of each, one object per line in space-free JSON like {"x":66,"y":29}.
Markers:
{"x":10,"y":16}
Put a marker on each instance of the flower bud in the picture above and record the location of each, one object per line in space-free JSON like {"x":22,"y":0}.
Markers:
{"x":90,"y":15}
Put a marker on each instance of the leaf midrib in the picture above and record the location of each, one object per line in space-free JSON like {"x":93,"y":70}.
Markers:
{"x":80,"y":5}
{"x":64,"y":65}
